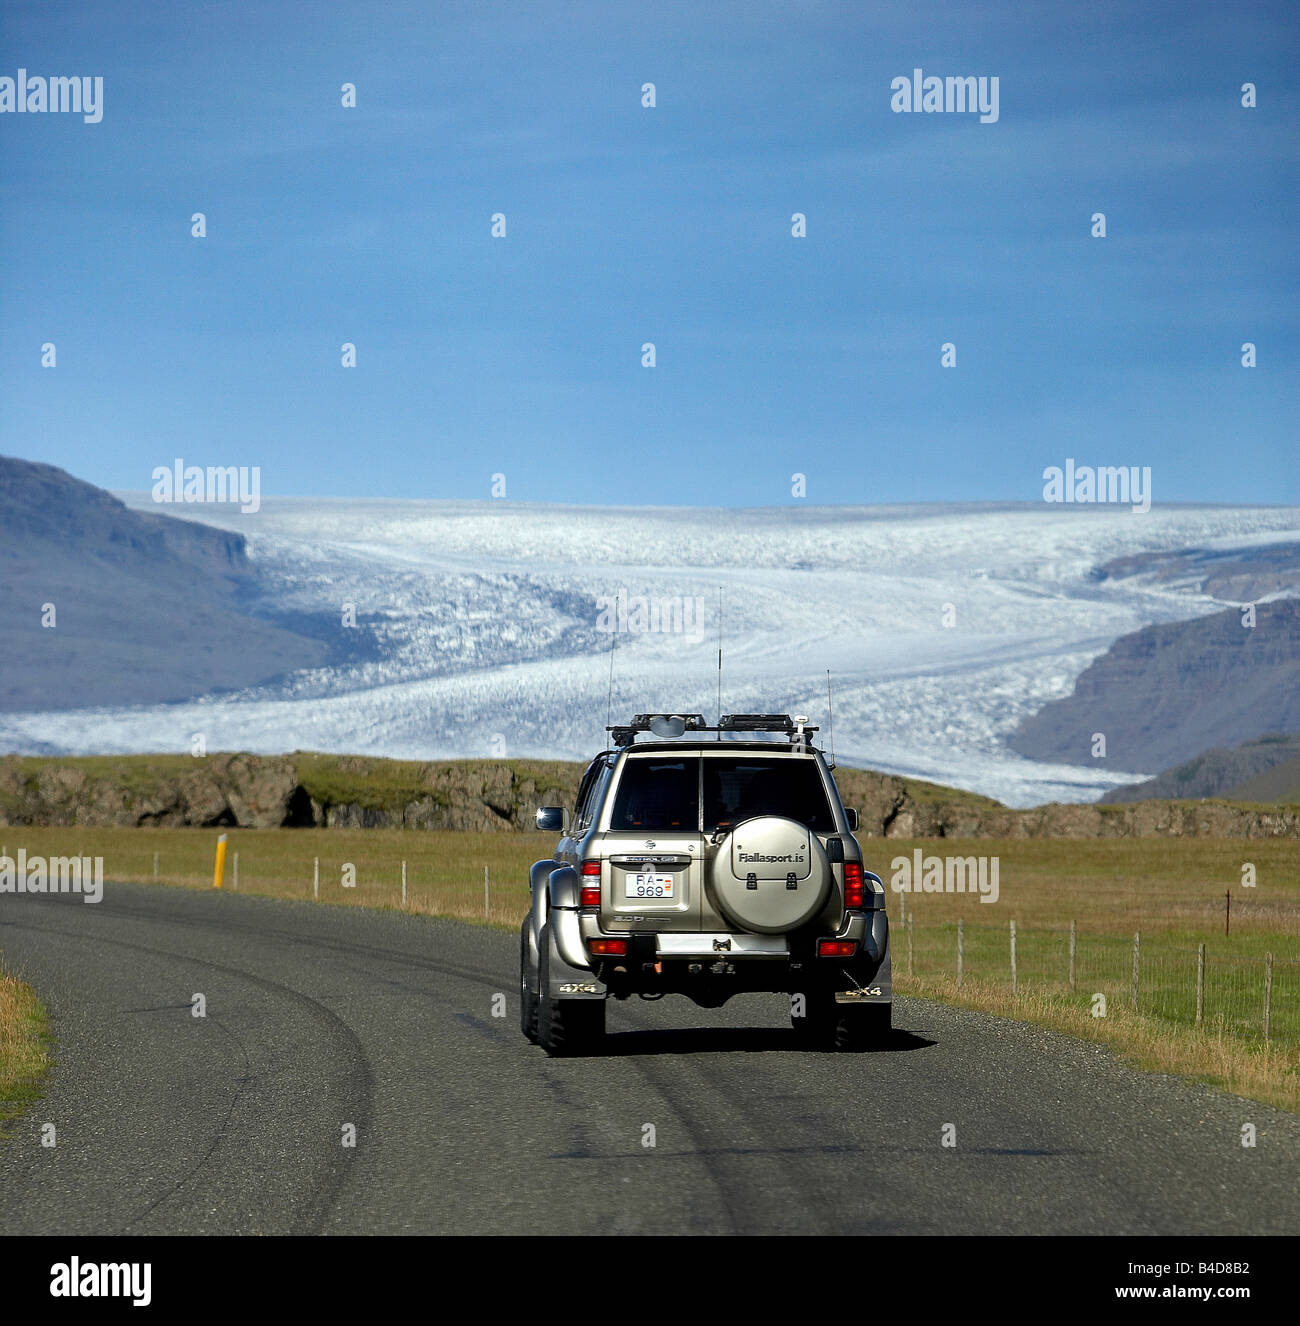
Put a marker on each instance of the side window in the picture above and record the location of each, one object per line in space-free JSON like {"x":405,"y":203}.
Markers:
{"x":596,"y":796}
{"x":582,"y":811}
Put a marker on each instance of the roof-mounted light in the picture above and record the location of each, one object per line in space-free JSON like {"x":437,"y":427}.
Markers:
{"x":762,"y":723}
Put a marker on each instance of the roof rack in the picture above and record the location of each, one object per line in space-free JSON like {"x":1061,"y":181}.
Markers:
{"x":798,"y":729}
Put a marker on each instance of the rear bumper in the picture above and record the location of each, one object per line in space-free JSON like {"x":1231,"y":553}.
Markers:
{"x":868,"y":930}
{"x":714,"y":965}
{"x":733,"y":963}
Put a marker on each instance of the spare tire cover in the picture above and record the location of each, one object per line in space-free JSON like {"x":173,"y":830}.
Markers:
{"x":775,"y":852}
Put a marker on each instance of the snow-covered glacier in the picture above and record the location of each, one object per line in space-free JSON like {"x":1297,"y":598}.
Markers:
{"x":941,"y":626}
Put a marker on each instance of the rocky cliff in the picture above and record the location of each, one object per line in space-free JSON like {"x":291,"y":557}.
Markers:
{"x":1164,"y":694}
{"x":252,"y":791}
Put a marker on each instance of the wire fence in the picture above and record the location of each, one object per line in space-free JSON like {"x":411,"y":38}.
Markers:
{"x":1253,"y":999}
{"x":415,"y":874}
{"x":1250,"y":998}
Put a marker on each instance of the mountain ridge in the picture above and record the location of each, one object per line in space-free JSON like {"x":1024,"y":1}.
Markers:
{"x":1163,"y":694}
{"x":110,"y":606}
{"x":1231,"y":773}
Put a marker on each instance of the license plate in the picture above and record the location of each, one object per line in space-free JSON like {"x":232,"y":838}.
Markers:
{"x":648,"y":886}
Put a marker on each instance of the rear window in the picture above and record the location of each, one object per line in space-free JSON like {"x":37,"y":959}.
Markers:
{"x":657,"y":795}
{"x":739,"y":788}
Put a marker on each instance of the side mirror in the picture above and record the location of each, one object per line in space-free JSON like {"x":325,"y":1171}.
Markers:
{"x":552,"y":819}
{"x":852,"y":816}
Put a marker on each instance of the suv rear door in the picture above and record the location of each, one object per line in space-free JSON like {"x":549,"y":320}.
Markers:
{"x":654,"y":873}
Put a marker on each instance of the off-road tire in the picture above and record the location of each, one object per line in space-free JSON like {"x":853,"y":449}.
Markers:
{"x":864,"y":1027}
{"x":827,"y":1025}
{"x":565,"y":1027}
{"x":527,"y":995}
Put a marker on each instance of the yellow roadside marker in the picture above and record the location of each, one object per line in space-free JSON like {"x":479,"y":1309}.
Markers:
{"x":220,"y":868}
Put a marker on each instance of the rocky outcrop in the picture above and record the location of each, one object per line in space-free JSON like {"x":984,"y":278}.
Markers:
{"x":256,"y":791}
{"x":892,"y":807}
{"x":252,"y":791}
{"x":490,"y":796}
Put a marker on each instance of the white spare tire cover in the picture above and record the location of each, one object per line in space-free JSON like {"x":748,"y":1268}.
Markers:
{"x":770,"y":875}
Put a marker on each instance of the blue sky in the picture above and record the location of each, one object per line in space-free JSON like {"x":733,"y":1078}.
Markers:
{"x":672,"y":225}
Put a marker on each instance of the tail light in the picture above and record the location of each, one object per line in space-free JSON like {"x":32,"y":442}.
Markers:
{"x":855,"y":888}
{"x":590,"y":892}
{"x":609,"y":948}
{"x":836,"y":948}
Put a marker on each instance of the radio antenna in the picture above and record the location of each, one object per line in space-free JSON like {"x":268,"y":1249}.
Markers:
{"x":719,"y":658}
{"x":609,"y":703}
{"x":830,"y":717}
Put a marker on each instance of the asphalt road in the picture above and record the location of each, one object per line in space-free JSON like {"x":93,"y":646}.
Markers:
{"x":321,"y":1016}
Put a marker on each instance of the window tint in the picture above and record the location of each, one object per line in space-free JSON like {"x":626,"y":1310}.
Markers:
{"x":740,"y":788}
{"x":658,"y":794}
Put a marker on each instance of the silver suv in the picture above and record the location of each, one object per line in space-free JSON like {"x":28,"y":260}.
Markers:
{"x":707,"y":862}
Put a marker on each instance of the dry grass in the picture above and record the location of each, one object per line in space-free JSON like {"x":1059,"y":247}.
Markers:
{"x":1269,"y":1074}
{"x":1169,"y":890}
{"x":24,"y":1047}
{"x":1170,"y":887}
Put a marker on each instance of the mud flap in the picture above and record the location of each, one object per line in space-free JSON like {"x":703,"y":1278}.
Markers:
{"x":567,"y":980}
{"x":880,"y":988}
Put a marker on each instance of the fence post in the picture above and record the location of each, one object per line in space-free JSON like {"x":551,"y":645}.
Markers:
{"x":1137,"y":950}
{"x":1268,"y":995}
{"x":1014,"y":981}
{"x":1074,"y":945}
{"x":910,"y":967}
{"x":902,"y":909}
{"x":403,"y":885}
{"x":235,"y":881}
{"x":487,"y":893}
{"x":315,"y":880}
{"x":961,"y":950}
{"x":1200,"y":983}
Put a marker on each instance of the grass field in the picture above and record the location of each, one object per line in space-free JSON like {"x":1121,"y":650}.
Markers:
{"x":1171,"y":891}
{"x":24,"y":1047}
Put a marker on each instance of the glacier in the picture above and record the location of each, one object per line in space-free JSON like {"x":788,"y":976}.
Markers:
{"x":942,"y":626}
